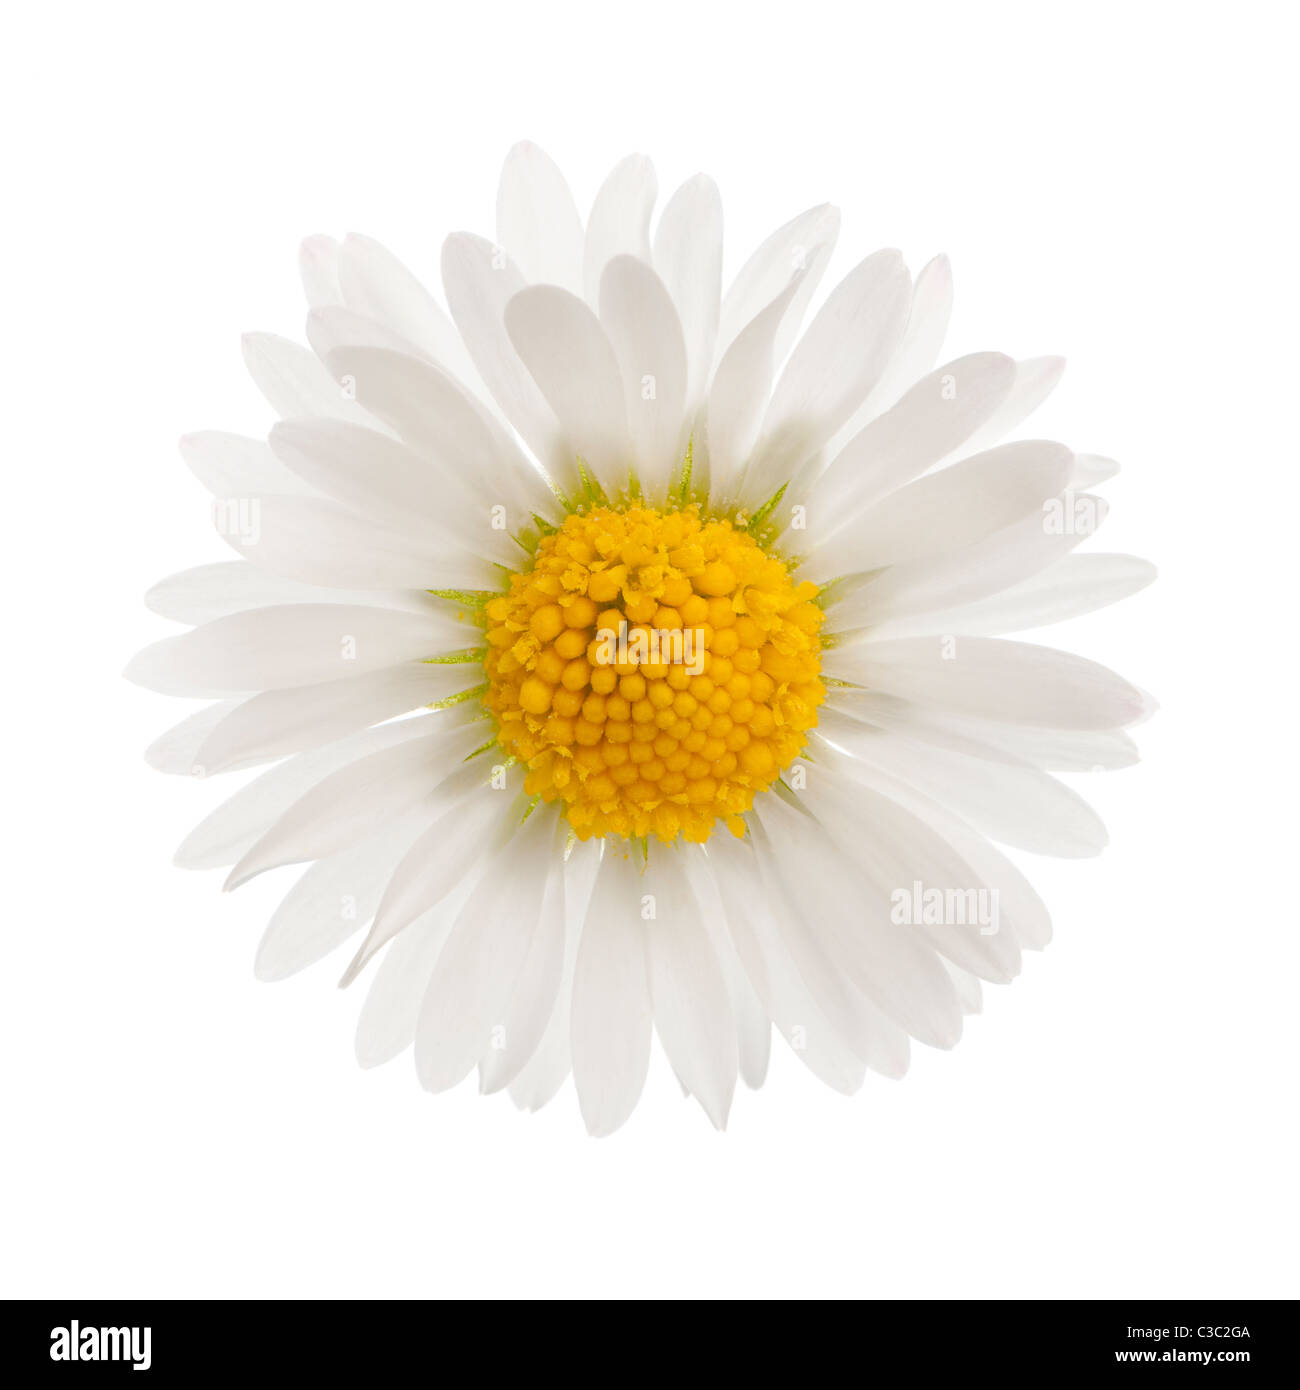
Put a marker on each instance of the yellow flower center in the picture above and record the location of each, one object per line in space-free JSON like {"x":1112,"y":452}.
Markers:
{"x":653,"y":670}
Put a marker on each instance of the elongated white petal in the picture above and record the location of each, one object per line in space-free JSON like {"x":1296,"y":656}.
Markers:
{"x":1054,"y":750}
{"x":177,"y":750}
{"x":229,"y":465}
{"x":797,"y":251}
{"x":753,"y":1026}
{"x":376,"y":284}
{"x":316,"y":541}
{"x":387,"y":482}
{"x":913,"y":865}
{"x":641,"y":323}
{"x":611,"y":1010}
{"x":434,"y":416}
{"x":1073,"y":586}
{"x":1036,"y":379}
{"x":692,"y":1010}
{"x":688,"y":255}
{"x":932,"y":419}
{"x":849,"y":921}
{"x":946,"y":511}
{"x":294,"y":381}
{"x":546,"y":1070}
{"x":532,"y":1000}
{"x":335,"y":326}
{"x":571,"y":359}
{"x":331,"y":901}
{"x":619,"y":224}
{"x":903,"y":597}
{"x":922,"y":341}
{"x":992,"y":678}
{"x":279,"y":722}
{"x":318,"y":265}
{"x":387,"y":1022}
{"x":234,"y":586}
{"x":291,"y":644}
{"x":229,"y":831}
{"x":738,"y":395}
{"x":774,"y":974}
{"x":446,"y":854}
{"x":479,"y":281}
{"x":537,"y":220}
{"x":1019,"y":907}
{"x":834,"y":365}
{"x":350,"y":803}
{"x":469,"y":993}
{"x":874,"y":1038}
{"x":1091,"y":470}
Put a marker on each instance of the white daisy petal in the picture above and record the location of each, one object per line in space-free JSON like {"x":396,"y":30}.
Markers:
{"x":903,"y":855}
{"x":438,"y":860}
{"x":479,"y":282}
{"x":384,"y":480}
{"x":228,"y":832}
{"x":610,"y":1010}
{"x":798,"y":252}
{"x":331,"y":901}
{"x":1036,"y":379}
{"x":692,"y":1010}
{"x":901,"y":975}
{"x":435,"y":417}
{"x":970,"y":995}
{"x":1090,"y":470}
{"x":903,"y":599}
{"x":349,"y":803}
{"x":834,"y":365}
{"x":841,"y":1011}
{"x":992,"y":678}
{"x":1019,"y":908}
{"x":388,"y":1018}
{"x":546,"y":1070}
{"x":537,"y":220}
{"x":536,"y":986}
{"x":234,"y":586}
{"x":688,"y":255}
{"x":316,"y":541}
{"x":620,"y":220}
{"x":294,"y":381}
{"x":276,"y":723}
{"x":1054,"y":750}
{"x":176,"y":751}
{"x":291,"y":644}
{"x":318,"y":265}
{"x":641,"y":322}
{"x":946,"y":511}
{"x":571,"y":359}
{"x":1073,"y":586}
{"x":229,"y":465}
{"x":773,"y":974}
{"x":922,"y":341}
{"x":933,"y":419}
{"x":739,"y":394}
{"x":753,"y":1026}
{"x":471,"y":986}
{"x":378,"y":286}
{"x":335,"y":326}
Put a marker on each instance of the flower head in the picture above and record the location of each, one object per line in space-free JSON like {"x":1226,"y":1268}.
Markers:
{"x":628,"y":662}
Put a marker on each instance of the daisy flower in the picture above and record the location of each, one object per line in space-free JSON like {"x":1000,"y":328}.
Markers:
{"x":630,"y":661}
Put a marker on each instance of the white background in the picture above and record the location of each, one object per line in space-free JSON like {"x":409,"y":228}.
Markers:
{"x":1115,"y":183}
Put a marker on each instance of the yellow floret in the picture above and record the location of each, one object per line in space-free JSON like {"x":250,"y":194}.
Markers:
{"x":654,"y":671}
